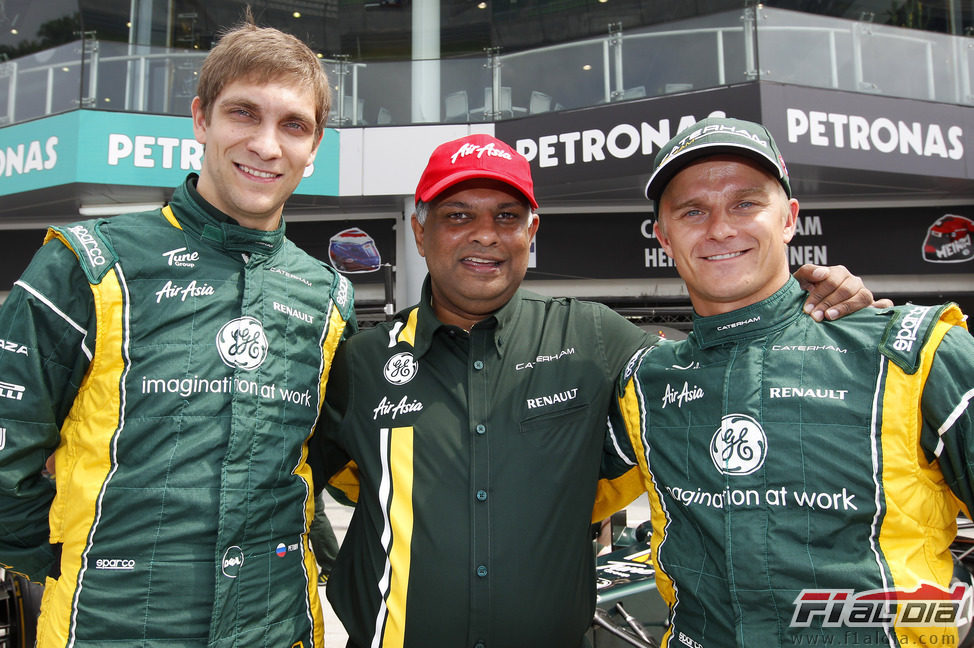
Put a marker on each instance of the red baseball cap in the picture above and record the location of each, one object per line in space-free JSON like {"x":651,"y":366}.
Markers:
{"x":475,"y":156}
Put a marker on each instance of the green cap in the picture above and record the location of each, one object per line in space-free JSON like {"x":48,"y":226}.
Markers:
{"x":716,"y":136}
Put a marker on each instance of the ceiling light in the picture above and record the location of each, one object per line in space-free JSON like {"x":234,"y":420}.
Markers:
{"x":586,"y":67}
{"x":482,"y":5}
{"x":296,"y":14}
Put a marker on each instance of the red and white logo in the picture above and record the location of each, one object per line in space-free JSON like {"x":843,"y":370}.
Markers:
{"x":949,"y":240}
{"x":926,"y":606}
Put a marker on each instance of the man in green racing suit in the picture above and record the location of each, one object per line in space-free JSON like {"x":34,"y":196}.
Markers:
{"x":803,"y":478}
{"x":174,"y":362}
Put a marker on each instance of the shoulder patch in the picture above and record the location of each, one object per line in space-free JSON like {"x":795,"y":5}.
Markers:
{"x":91,"y":247}
{"x":631,"y":367}
{"x":907,"y":333}
{"x":342,"y":294}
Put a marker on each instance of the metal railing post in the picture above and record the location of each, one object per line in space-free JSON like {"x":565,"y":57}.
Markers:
{"x":615,"y":44}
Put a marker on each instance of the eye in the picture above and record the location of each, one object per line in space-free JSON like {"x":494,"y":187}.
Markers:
{"x":507,"y":216}
{"x":296,"y":126}
{"x":689,"y":214}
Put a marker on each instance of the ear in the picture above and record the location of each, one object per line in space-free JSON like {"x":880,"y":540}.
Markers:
{"x":418,"y":231}
{"x":661,"y":237}
{"x":533,"y":226}
{"x":791,"y":221}
{"x":314,"y":149}
{"x":199,"y":121}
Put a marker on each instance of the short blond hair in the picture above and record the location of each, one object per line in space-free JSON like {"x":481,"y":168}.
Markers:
{"x":262,"y":54}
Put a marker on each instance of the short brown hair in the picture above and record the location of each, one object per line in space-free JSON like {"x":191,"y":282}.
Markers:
{"x":262,"y":54}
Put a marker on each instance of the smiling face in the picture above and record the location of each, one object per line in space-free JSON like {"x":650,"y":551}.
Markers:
{"x":476,"y":240}
{"x":726,"y":224}
{"x":258,"y":140}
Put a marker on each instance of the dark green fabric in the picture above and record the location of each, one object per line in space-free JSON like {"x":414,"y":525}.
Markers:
{"x":763,"y":436}
{"x":513,"y":499}
{"x":203,"y":462}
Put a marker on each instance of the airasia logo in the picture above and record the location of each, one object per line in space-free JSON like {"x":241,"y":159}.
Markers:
{"x":242,"y":343}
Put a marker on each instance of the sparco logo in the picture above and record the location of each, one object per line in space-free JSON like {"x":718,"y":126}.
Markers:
{"x":90,"y":245}
{"x":233,"y":559}
{"x":926,"y":606}
{"x":242,"y":343}
{"x":114,"y":563}
{"x":181,"y":258}
{"x":341,"y":295}
{"x":906,"y":333}
{"x":739,"y":446}
{"x":480,"y":151}
{"x":400,"y":368}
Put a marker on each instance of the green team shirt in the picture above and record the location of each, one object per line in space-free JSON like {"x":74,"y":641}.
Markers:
{"x":797,"y":471}
{"x":477,"y":460}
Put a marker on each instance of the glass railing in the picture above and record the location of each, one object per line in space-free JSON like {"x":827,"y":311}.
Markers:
{"x":703,"y":52}
{"x":825,"y":52}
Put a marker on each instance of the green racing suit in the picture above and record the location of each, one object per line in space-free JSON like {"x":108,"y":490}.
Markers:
{"x":174,"y":363}
{"x":799,"y":472}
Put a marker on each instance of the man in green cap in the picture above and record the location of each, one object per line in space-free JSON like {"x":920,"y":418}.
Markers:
{"x":801,"y":476}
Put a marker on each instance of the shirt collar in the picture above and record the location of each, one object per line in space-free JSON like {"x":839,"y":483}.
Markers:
{"x":426,"y":323}
{"x":775,"y":312}
{"x":198,"y":217}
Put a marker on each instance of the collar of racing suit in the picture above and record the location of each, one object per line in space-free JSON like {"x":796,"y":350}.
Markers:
{"x":775,"y":312}
{"x":212,"y":226}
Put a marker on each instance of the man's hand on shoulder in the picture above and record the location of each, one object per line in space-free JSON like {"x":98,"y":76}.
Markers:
{"x":834,"y":292}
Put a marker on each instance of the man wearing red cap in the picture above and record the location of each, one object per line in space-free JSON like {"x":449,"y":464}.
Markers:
{"x":474,"y":422}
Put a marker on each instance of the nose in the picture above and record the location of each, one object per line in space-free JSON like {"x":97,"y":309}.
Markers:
{"x":484,"y":230}
{"x":264,"y":142}
{"x":720,"y":225}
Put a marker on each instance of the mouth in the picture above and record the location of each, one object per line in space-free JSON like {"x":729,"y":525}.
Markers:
{"x":725,"y":256}
{"x":480,"y":264}
{"x":256,"y":173}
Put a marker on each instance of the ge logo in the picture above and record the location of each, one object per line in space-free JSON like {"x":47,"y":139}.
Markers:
{"x":242,"y":343}
{"x":400,"y":368}
{"x":233,"y":559}
{"x":739,"y":446}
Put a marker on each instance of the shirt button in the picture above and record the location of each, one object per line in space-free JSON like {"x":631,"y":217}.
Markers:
{"x":481,"y":429}
{"x":479,"y":644}
{"x":478,"y":364}
{"x":482,"y":571}
{"x":482,"y":495}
